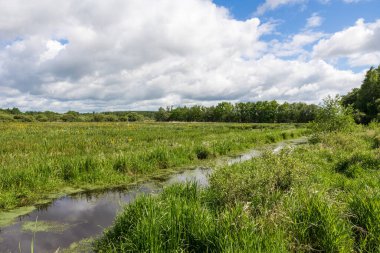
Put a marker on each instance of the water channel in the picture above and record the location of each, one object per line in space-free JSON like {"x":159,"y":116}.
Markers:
{"x":75,"y":217}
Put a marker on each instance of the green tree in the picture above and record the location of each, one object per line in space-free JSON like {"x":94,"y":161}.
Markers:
{"x":162,"y":115}
{"x":333,"y":116}
{"x":366,"y":99}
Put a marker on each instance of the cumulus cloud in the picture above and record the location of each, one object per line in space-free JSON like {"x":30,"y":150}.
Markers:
{"x":119,"y":54}
{"x":359,"y":44}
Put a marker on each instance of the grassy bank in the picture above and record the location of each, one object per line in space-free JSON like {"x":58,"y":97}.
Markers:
{"x":321,"y":197}
{"x":40,"y":159}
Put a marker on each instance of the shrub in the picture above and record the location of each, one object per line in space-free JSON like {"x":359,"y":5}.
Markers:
{"x":4,"y":117}
{"x":333,"y":117}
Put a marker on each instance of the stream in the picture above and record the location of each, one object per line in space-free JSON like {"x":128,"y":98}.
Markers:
{"x":75,"y":217}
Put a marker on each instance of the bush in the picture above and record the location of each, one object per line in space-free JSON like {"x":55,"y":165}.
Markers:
{"x":4,"y":117}
{"x":333,"y":117}
{"x":24,"y":118}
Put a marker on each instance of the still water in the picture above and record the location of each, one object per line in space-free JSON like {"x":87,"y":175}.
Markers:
{"x":79,"y":216}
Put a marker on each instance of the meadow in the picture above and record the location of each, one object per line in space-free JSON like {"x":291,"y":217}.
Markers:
{"x":39,"y":161}
{"x":319,"y":197}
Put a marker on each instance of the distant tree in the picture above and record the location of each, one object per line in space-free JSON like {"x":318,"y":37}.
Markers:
{"x":42,"y":118}
{"x":70,"y":117}
{"x":162,"y":115}
{"x":133,"y":116}
{"x":225,"y":112}
{"x":15,"y":111}
{"x":98,"y":117}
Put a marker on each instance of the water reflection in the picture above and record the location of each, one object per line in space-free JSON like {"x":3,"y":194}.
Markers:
{"x":87,"y":214}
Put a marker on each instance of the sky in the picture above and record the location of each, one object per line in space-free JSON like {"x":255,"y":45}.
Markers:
{"x":97,"y":55}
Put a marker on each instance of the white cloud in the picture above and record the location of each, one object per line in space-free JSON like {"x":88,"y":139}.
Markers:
{"x":269,"y":5}
{"x":53,"y":47}
{"x":360,"y":44}
{"x":314,"y":21}
{"x":294,"y":45}
{"x":122,"y":55}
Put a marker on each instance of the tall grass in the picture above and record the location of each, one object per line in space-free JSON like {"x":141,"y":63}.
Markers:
{"x":321,"y":197}
{"x":180,"y":221}
{"x":37,"y":159}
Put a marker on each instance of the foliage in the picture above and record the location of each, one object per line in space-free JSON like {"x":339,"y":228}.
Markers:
{"x":255,"y":112}
{"x":333,"y":117}
{"x":366,"y":99}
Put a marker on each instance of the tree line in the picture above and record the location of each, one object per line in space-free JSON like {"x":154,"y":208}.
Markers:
{"x":14,"y":114}
{"x":255,"y":112}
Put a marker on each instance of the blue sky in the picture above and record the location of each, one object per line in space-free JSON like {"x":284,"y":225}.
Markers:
{"x":140,"y":55}
{"x":291,"y":18}
{"x":336,"y":14}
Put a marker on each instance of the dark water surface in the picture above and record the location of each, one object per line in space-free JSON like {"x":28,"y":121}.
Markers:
{"x":85,"y":215}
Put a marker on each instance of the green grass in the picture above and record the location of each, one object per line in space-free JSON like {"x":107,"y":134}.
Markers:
{"x":40,"y":160}
{"x":320,"y":197}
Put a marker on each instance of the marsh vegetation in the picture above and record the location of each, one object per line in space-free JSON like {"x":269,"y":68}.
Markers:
{"x":40,"y":159}
{"x":322,"y":197}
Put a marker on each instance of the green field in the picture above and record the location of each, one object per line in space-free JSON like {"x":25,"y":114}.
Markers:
{"x":42,"y":160}
{"x":320,"y":197}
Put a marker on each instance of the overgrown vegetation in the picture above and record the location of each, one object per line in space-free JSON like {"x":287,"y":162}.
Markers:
{"x":37,"y":160}
{"x":321,"y":197}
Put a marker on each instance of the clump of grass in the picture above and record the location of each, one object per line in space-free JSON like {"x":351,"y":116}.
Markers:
{"x":376,"y":142}
{"x":69,"y":171}
{"x":160,"y":156}
{"x":317,"y":225}
{"x":179,"y":221}
{"x":121,"y":164}
{"x":261,"y":182}
{"x":354,"y":164}
{"x":365,"y":209}
{"x":202,"y":152}
{"x":88,"y":165}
